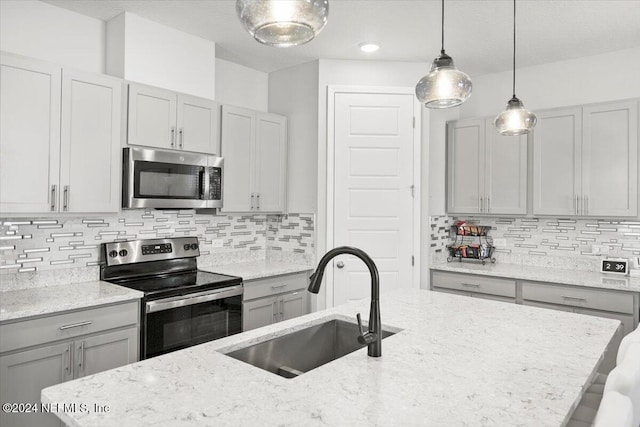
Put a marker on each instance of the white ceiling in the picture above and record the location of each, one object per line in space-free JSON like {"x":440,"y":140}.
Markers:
{"x":478,"y":33}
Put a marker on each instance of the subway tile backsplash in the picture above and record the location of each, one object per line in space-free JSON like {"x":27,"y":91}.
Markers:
{"x":51,"y":247}
{"x":550,"y":242}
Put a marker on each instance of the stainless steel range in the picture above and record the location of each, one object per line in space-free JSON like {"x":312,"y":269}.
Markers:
{"x":182,"y":306}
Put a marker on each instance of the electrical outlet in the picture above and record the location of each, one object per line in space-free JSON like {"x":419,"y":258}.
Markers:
{"x":599,"y":249}
{"x":217,"y":243}
{"x":500,"y":242}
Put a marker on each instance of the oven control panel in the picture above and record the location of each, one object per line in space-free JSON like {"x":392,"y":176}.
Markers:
{"x":134,"y":251}
{"x":161,"y":248}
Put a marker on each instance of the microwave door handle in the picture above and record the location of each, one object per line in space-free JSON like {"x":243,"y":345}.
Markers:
{"x":201,"y":179}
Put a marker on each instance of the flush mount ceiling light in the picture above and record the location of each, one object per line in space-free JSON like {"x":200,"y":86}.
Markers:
{"x":515,"y":120}
{"x":283,"y":23}
{"x":445,"y":86}
{"x":369,"y":47}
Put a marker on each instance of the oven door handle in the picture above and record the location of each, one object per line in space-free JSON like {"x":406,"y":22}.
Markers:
{"x":191,"y":299}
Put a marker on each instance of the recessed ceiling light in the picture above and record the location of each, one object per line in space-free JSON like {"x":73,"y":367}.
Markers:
{"x":369,"y":47}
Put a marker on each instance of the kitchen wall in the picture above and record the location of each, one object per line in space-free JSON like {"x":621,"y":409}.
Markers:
{"x":39,"y":30}
{"x":293,"y":92}
{"x":51,"y":250}
{"x":548,"y":242}
{"x":241,"y":86}
{"x":144,"y":51}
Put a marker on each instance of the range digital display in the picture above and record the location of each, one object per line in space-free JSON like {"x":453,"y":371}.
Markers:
{"x":614,"y":266}
{"x":163,"y":248}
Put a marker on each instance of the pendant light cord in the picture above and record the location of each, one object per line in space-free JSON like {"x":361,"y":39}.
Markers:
{"x":442,"y":26}
{"x":514,"y":48}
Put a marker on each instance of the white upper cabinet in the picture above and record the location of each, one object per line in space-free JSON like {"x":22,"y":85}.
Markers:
{"x":557,"y":141}
{"x":610,"y":159}
{"x":486,"y":172}
{"x":254,"y":147}
{"x":586,"y":161}
{"x":29,"y":135}
{"x":60,"y":139}
{"x":169,"y":120}
{"x":90,"y":149}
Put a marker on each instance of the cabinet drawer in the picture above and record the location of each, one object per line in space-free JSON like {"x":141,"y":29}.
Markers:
{"x":66,"y":326}
{"x":475,"y":284}
{"x":274,"y":285}
{"x":598,"y":299}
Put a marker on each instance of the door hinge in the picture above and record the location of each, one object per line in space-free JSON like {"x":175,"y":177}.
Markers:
{"x":413,"y":191}
{"x":413,"y":260}
{"x":414,"y":122}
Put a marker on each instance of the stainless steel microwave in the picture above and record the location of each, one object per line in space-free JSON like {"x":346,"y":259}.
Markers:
{"x":168,"y":179}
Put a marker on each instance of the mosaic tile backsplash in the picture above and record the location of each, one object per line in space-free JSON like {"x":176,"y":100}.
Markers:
{"x":47,"y":245}
{"x":551,"y":242}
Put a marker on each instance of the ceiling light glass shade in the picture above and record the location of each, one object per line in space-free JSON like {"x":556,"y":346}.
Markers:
{"x":445,"y":86}
{"x":515,"y":120}
{"x":283,"y":23}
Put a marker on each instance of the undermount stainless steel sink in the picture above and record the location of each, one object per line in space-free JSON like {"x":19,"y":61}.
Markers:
{"x":298,"y":352}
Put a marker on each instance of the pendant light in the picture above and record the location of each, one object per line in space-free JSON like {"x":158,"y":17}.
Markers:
{"x":445,"y":86}
{"x":283,"y":23}
{"x":515,"y":119}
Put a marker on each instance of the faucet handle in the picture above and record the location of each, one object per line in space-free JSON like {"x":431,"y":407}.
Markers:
{"x":365,"y":337}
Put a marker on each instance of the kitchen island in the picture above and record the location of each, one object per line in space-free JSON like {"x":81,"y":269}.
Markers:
{"x":453,"y":361}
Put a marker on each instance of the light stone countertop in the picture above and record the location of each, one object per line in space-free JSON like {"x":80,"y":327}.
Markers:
{"x":457,"y":361}
{"x":24,"y":303}
{"x":257,"y":269}
{"x":544,"y":274}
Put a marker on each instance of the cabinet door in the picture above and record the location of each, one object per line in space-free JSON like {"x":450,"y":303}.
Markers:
{"x":465,"y":166}
{"x":260,"y":312}
{"x":90,"y":148}
{"x":505,"y":185}
{"x":238,"y":136}
{"x":106,"y":351}
{"x":556,"y":162}
{"x":29,"y":135}
{"x":610,"y":159}
{"x":152,"y":117}
{"x":293,"y":305}
{"x":26,"y":373}
{"x":271,"y":162}
{"x":198,"y":125}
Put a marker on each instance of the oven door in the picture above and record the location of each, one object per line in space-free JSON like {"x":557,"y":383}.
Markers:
{"x":178,"y":322}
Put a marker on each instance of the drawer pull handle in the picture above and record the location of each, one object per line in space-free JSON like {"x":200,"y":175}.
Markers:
{"x":76,"y":325}
{"x":274,"y":287}
{"x":472,"y":285}
{"x":573,"y":298}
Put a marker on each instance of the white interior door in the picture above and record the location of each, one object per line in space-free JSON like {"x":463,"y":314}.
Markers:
{"x":373,"y":186}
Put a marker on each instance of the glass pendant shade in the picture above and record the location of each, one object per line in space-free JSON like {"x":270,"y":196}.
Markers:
{"x":515,"y":120}
{"x":445,"y":86}
{"x":283,"y":23}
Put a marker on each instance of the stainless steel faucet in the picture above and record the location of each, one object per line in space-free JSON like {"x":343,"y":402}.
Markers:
{"x":373,"y":337}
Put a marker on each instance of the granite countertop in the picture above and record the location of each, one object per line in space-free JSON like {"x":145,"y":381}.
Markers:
{"x":544,"y":274}
{"x":455,"y":361}
{"x":257,"y":269}
{"x":23,"y":303}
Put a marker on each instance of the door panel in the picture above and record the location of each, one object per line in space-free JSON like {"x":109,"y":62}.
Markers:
{"x":106,"y":351}
{"x":373,"y":206}
{"x":260,"y":312}
{"x":90,"y":156}
{"x":29,"y":135}
{"x":465,"y":151}
{"x":239,"y":129}
{"x":556,"y":168}
{"x":198,"y":125}
{"x":609,"y":159}
{"x":271,"y":149}
{"x":152,"y":117}
{"x":293,"y":305}
{"x":505,"y":186}
{"x":26,"y":373}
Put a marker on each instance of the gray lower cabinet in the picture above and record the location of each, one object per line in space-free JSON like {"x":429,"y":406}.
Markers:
{"x":46,"y":351}
{"x":613,"y":304}
{"x":274,"y":299}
